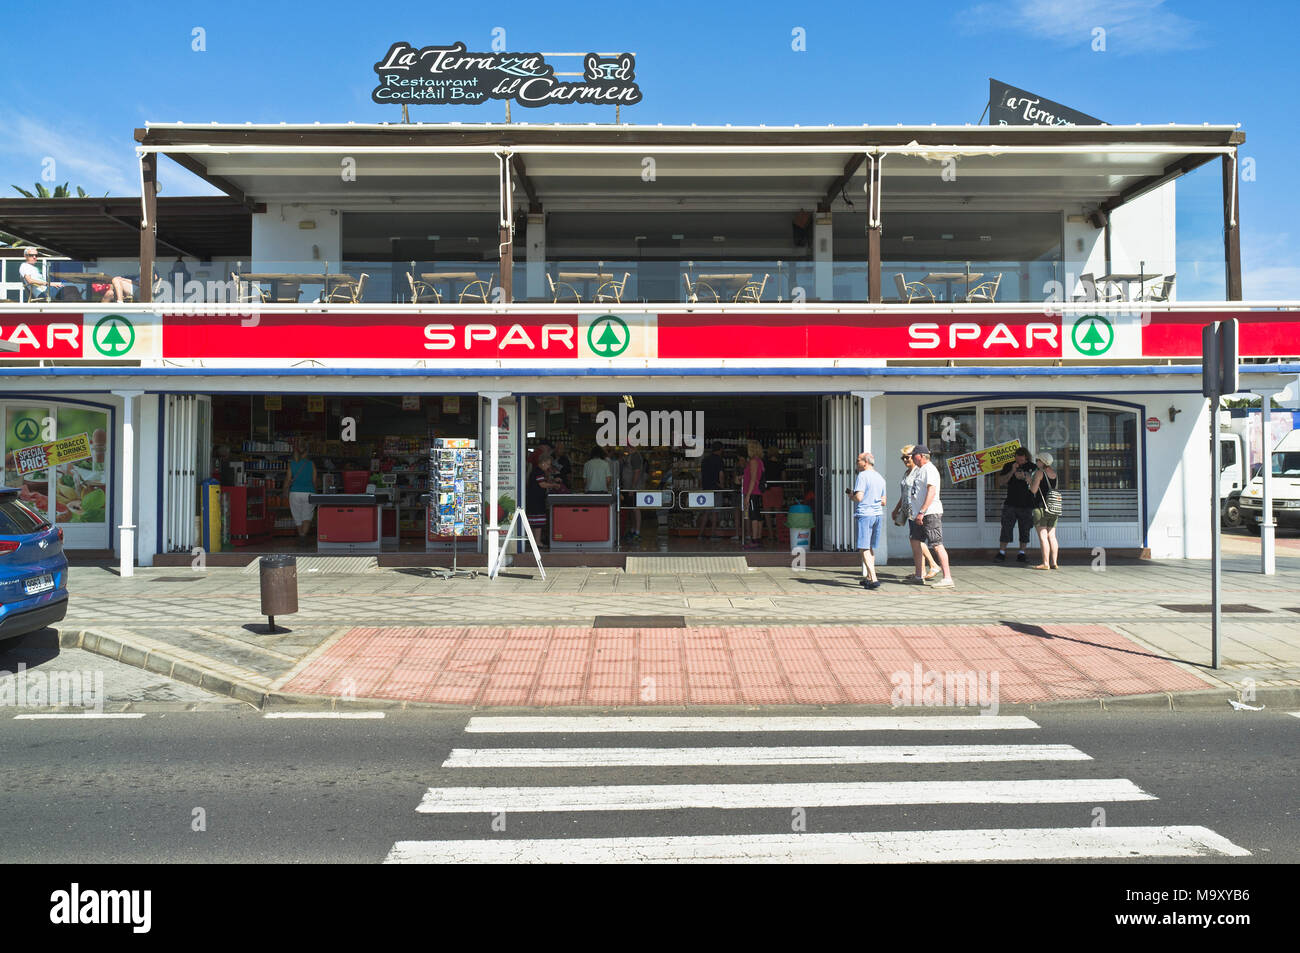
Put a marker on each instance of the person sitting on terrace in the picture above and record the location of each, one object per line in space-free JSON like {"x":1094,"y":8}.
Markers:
{"x":31,"y":276}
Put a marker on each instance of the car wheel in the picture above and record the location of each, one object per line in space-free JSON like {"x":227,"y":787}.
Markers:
{"x":1252,"y":529}
{"x":1232,"y":514}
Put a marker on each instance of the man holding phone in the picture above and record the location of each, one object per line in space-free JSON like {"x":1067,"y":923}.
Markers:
{"x":1018,"y":508}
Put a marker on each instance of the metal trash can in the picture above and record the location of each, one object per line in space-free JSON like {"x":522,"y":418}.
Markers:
{"x":279,"y":578}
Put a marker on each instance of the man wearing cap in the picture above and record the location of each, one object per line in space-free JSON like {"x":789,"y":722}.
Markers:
{"x":868,"y":494}
{"x":926,"y":525}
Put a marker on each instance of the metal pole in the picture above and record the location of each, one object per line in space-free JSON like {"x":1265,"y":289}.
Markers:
{"x":1214,"y":532}
{"x":1267,"y":531}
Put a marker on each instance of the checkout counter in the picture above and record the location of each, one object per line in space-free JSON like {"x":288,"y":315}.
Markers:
{"x":350,"y":522}
{"x":582,"y":520}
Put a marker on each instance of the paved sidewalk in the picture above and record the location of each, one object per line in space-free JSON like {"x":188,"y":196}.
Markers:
{"x":766,"y":636}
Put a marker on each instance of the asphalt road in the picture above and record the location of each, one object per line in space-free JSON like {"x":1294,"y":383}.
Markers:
{"x":227,"y":786}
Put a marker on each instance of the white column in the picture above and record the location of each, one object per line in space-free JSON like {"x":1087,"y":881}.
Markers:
{"x":126,"y":539}
{"x":1267,"y":531}
{"x":823,"y":257}
{"x":494,"y":466}
{"x":882,"y":554}
{"x":535,"y":273}
{"x":148,"y":534}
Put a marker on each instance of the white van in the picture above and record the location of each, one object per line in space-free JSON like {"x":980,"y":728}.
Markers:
{"x":1286,"y":488}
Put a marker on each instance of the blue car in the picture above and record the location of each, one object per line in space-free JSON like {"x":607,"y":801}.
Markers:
{"x":33,"y":569}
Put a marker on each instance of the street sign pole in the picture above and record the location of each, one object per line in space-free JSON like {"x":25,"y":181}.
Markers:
{"x":1218,"y":377}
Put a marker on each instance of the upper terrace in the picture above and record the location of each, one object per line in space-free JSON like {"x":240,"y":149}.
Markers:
{"x":454,"y":214}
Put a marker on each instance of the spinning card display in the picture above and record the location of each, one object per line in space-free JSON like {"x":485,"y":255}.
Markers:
{"x":456,"y":467}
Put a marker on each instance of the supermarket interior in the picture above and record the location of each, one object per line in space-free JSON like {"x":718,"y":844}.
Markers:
{"x":372,"y":459}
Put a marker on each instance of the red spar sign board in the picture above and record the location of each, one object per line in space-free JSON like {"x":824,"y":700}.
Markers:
{"x":1260,"y":333}
{"x":831,"y":336}
{"x":371,"y":336}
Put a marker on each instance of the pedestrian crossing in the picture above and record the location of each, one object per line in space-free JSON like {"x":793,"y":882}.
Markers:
{"x":534,"y":793}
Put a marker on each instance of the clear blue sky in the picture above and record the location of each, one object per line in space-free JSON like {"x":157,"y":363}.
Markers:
{"x":80,"y":76}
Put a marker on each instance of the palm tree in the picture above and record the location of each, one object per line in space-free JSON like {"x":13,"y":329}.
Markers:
{"x":60,"y":192}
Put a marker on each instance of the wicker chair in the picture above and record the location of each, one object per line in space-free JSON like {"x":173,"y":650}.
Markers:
{"x":421,"y":292}
{"x":559,"y":288}
{"x":752,"y":291}
{"x":910,"y":291}
{"x":986,"y":291}
{"x":612,"y":290}
{"x":697,"y":289}
{"x":1163,"y":292}
{"x":479,"y":290}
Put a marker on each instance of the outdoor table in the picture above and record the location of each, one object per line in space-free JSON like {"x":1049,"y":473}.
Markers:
{"x":86,"y":278}
{"x":736,"y":279}
{"x":1125,"y":280}
{"x":949,"y":278}
{"x":587,"y":277}
{"x":330,"y":282}
{"x":447,"y":277}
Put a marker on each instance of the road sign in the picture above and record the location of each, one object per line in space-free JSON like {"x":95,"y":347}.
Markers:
{"x":1219,"y":358}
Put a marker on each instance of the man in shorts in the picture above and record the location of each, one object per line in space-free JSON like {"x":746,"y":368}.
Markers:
{"x":926,"y":524}
{"x":868,"y":494}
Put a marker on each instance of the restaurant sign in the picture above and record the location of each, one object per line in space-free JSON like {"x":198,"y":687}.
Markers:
{"x":1009,"y":106}
{"x":967,"y":466}
{"x":451,"y":75}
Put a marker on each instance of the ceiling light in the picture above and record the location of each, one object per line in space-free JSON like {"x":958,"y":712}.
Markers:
{"x":678,"y":238}
{"x":909,"y":238}
{"x":719,"y":238}
{"x":986,"y":238}
{"x":946,"y":237}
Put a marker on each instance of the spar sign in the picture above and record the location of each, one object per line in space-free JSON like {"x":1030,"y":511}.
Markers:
{"x":967,"y":466}
{"x":92,"y":336}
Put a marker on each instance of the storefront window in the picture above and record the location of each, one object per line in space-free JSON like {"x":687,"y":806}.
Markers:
{"x":1056,"y":430}
{"x":28,"y":426}
{"x":948,"y":434}
{"x":81,"y":485}
{"x":1112,"y":466}
{"x":1001,"y":425}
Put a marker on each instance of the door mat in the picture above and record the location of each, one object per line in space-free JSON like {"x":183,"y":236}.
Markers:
{"x":679,"y":565}
{"x":316,"y":565}
{"x":639,"y":622}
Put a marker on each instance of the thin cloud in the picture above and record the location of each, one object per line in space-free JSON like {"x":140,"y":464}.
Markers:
{"x":1269,"y":272}
{"x":1132,"y":26}
{"x":97,"y":163}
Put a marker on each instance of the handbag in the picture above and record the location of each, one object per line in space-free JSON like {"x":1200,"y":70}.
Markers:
{"x":1052,"y":503}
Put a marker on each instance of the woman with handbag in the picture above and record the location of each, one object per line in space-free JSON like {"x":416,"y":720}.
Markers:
{"x":1047,"y":509}
{"x":902,"y":512}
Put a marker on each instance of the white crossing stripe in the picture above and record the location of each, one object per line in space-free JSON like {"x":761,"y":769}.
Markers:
{"x":1295,"y":713}
{"x":845,"y":754}
{"x":323,"y":714}
{"x":879,"y":847}
{"x":673,"y":797}
{"x":538,"y":724}
{"x":79,"y":716}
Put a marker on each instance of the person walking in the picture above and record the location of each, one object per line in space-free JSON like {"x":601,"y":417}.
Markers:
{"x":1045,"y":479}
{"x":926,"y":512}
{"x":300,"y":484}
{"x":632,"y":478}
{"x":868,"y":492}
{"x":711,"y":481}
{"x":751,"y":493}
{"x":595,"y":473}
{"x":902,"y":512}
{"x":1018,"y":507}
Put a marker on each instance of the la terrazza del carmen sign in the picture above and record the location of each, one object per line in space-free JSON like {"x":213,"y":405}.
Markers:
{"x":451,"y":75}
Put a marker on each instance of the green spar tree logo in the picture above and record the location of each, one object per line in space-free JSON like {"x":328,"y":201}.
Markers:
{"x":109,"y":338}
{"x":612,"y":339}
{"x":1092,"y":335}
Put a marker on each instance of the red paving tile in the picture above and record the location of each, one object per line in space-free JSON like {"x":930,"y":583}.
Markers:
{"x":712,"y":665}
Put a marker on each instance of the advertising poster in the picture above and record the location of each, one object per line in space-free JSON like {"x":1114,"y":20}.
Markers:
{"x":967,"y":466}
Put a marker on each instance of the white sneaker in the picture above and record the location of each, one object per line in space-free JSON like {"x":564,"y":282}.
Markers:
{"x":943,"y":584}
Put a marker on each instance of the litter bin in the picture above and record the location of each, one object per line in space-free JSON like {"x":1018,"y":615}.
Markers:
{"x":800,"y":521}
{"x":279,"y":578}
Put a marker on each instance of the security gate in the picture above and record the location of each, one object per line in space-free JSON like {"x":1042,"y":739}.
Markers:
{"x":185,"y":447}
{"x":837,"y":467}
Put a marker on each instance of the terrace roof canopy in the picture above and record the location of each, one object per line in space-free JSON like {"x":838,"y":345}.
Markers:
{"x":197,"y":227}
{"x":591,"y":167}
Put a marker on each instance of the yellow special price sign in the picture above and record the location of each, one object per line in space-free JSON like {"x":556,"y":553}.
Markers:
{"x":46,"y":455}
{"x":315,"y":403}
{"x":270,"y":402}
{"x":967,"y":466}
